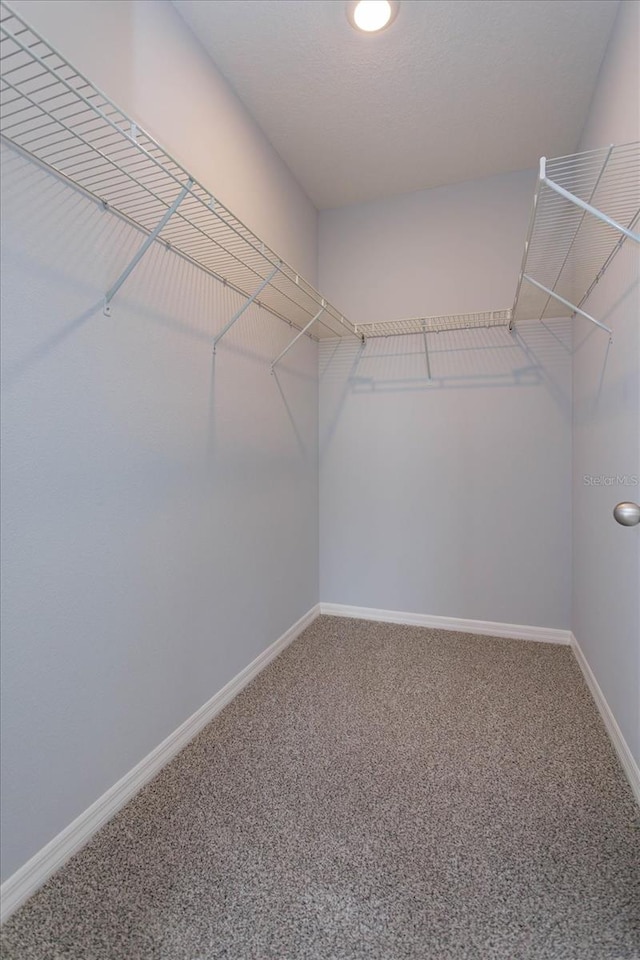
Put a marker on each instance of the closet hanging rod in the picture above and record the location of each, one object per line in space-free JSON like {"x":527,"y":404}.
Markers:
{"x":55,"y":115}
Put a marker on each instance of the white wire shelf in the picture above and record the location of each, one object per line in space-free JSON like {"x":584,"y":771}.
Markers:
{"x":423,"y":325}
{"x":53,"y":113}
{"x":585,"y":207}
{"x":416,"y":325}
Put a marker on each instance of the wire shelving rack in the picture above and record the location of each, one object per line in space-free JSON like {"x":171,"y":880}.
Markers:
{"x":53,"y":113}
{"x":416,"y":325}
{"x":413,"y":326}
{"x":585,"y":207}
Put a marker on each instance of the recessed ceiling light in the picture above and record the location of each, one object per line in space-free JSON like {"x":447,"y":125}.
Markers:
{"x":370,"y":16}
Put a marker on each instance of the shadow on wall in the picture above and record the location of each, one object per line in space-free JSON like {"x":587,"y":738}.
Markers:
{"x":611,"y":382}
{"x":534,"y":355}
{"x":167,"y":307}
{"x":139,"y":576}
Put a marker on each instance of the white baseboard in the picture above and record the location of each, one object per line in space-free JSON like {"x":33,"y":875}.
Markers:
{"x":484,"y":627}
{"x":620,"y":745}
{"x":25,"y":881}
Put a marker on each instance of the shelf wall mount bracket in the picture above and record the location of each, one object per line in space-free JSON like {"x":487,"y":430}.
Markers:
{"x":532,"y":218}
{"x":572,"y":198}
{"x":247,"y":303}
{"x":426,"y":350}
{"x":153,"y":236}
{"x":567,"y":303}
{"x":297,"y":337}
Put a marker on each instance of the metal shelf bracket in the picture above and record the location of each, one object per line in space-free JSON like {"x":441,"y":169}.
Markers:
{"x":426,"y":350}
{"x":586,"y":206}
{"x":153,"y":236}
{"x":297,"y":337}
{"x":247,"y":303}
{"x":566,"y":303}
{"x":56,"y":116}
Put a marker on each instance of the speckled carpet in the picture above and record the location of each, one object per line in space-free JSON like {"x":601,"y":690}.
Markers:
{"x":379,"y":791}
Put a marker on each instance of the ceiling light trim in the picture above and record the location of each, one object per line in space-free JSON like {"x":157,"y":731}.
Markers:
{"x":352,"y":5}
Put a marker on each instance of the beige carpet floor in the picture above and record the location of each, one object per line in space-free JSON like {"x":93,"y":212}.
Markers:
{"x":380,"y":791}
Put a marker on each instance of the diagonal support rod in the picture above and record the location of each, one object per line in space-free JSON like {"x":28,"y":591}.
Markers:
{"x":601,"y":272}
{"x":297,"y":337}
{"x":153,"y":236}
{"x":247,"y":303}
{"x":589,"y":209}
{"x":532,"y":220}
{"x":567,"y":303}
{"x":426,"y":351}
{"x":580,"y":222}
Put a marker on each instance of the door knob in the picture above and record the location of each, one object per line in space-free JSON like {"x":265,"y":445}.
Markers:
{"x":628,"y":514}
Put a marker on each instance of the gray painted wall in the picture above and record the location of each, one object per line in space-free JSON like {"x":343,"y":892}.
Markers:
{"x":606,"y":427}
{"x":160,"y":514}
{"x":449,"y":497}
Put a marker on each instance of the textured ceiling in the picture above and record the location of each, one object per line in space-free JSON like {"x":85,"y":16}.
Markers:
{"x":453,"y":90}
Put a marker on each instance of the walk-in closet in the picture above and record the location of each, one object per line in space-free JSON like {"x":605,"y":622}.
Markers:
{"x":320,"y":479}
